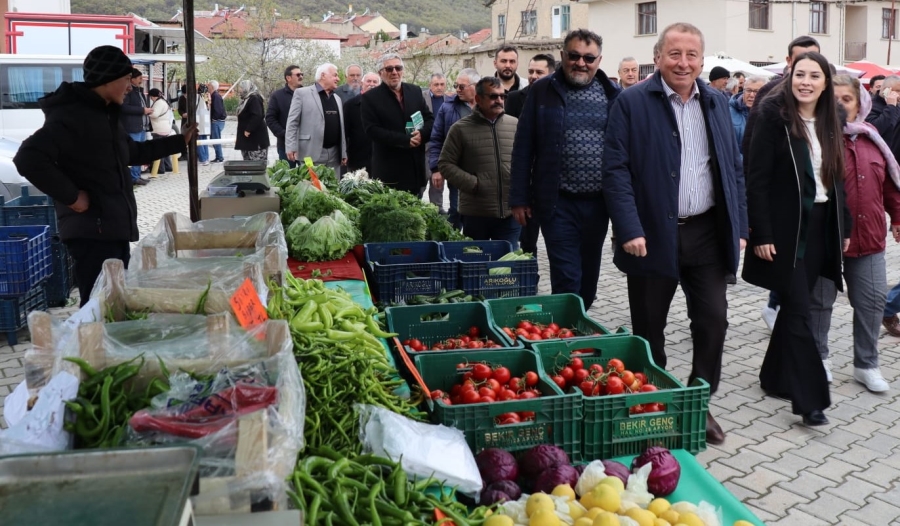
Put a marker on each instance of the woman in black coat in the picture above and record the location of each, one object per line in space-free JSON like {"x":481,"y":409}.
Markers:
{"x":252,"y":135}
{"x":799,"y":224}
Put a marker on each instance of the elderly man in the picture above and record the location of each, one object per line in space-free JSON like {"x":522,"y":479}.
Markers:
{"x":718,"y":78}
{"x":628,"y":72}
{"x":559,"y":147}
{"x":741,"y":103}
{"x":280,"y":106}
{"x":350,"y":88}
{"x":359,"y":146}
{"x":476,"y":159}
{"x":506,"y":62}
{"x":679,"y":209}
{"x":456,"y":108}
{"x":398,"y":145}
{"x":315,"y":123}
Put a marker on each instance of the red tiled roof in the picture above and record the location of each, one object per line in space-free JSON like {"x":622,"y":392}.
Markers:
{"x":480,"y":36}
{"x":237,"y":26}
{"x":357,"y":40}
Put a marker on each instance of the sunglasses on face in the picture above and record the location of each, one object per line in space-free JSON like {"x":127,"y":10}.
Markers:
{"x":300,"y":75}
{"x":460,"y":87}
{"x":497,"y":96}
{"x":391,"y":69}
{"x":575,"y":57}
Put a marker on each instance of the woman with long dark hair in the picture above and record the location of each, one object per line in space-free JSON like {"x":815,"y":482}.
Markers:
{"x":799,"y":224}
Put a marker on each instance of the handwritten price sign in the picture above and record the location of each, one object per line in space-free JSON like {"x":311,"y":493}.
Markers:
{"x":247,"y":308}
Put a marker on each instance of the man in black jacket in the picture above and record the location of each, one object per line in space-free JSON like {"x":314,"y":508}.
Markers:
{"x":359,"y":146}
{"x":135,"y":111}
{"x":280,"y":106}
{"x":217,"y":117}
{"x":539,"y":67}
{"x":398,"y":150}
{"x":80,"y":158}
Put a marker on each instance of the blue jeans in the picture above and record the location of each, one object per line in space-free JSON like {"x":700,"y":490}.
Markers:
{"x":484,"y":228}
{"x":136,"y":170}
{"x":574,"y":236}
{"x":892,"y":307}
{"x":203,"y":151}
{"x":217,"y":127}
{"x":282,"y":154}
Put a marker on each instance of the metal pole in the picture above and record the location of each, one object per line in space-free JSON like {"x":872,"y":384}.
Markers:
{"x":191,"y":96}
{"x":890,"y":34}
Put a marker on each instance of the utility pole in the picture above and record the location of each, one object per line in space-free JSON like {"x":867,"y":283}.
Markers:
{"x":891,"y":33}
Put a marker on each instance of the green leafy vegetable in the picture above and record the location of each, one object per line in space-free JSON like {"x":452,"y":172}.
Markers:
{"x":327,"y":239}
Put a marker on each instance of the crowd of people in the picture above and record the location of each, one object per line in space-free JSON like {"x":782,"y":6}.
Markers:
{"x":797,"y":172}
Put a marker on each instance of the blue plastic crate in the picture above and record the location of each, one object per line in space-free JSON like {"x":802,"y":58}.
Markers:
{"x":29,"y":210}
{"x":475,"y":269}
{"x":404,"y":270}
{"x":62,"y":278}
{"x":24,"y":258}
{"x":14,"y":312}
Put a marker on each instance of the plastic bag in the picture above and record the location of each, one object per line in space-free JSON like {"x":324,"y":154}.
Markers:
{"x":593,"y":474}
{"x":422,"y":449}
{"x":41,"y":429}
{"x":636,"y":492}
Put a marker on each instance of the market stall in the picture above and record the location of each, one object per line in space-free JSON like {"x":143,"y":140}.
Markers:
{"x":355,"y":359}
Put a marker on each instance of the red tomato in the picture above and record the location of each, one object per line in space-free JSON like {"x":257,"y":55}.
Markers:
{"x":531,"y":379}
{"x":437,"y":347}
{"x":461,"y":365}
{"x":580,"y":375}
{"x":502,"y":375}
{"x":467,"y":375}
{"x":641,"y":376}
{"x":547,"y":334}
{"x":567,"y":373}
{"x":615,"y":364}
{"x":525,"y":324}
{"x":588,"y":388}
{"x":596,"y":368}
{"x":486,"y":391}
{"x":653,"y":408}
{"x":553,"y":327}
{"x":516,"y":383}
{"x":469,"y":397}
{"x":508,"y":418}
{"x":481,"y":372}
{"x":509,"y":332}
{"x":437,"y":394}
{"x":536,"y":336}
{"x":465,"y":340}
{"x":527,"y":394}
{"x":628,"y":377}
{"x":637,"y":409}
{"x":523,"y":333}
{"x":507,"y":394}
{"x":559,"y":380}
{"x":454,"y":400}
{"x":455,"y":390}
{"x":565,"y":333}
{"x":576,"y":363}
{"x":475,"y":344}
{"x":486,"y":400}
{"x":450,"y":344}
{"x":615,"y":385}
{"x":493,"y":385}
{"x":407,"y":342}
{"x":648,"y":388}
{"x":474,"y":331}
{"x":446,"y":401}
{"x":526,"y":415}
{"x":467,"y":386}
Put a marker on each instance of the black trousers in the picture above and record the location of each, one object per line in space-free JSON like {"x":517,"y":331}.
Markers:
{"x":792,"y":367}
{"x":89,"y":255}
{"x":528,"y":238}
{"x":703,"y":279}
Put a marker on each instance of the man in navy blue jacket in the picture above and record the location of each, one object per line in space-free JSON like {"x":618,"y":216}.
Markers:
{"x":674,"y":187}
{"x":556,"y":162}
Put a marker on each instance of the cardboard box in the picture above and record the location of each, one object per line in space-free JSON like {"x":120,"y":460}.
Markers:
{"x":215,"y":207}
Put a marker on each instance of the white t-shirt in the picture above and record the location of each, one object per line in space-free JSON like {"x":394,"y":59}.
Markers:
{"x":815,"y":153}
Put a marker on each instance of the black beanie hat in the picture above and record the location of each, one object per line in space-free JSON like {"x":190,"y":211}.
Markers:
{"x":717,"y":73}
{"x":105,"y":64}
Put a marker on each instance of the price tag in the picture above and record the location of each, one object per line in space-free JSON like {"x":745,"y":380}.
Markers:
{"x":417,"y":120}
{"x":247,"y":308}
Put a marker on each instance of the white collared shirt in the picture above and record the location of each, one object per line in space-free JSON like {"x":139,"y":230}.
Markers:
{"x":695,"y":192}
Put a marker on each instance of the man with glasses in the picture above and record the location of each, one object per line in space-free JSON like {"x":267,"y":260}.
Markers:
{"x":741,"y":103}
{"x":678,"y":208}
{"x":476,"y":158}
{"x":506,"y":62}
{"x":280,"y":107}
{"x":459,"y":106}
{"x":398,"y":147}
{"x":556,"y":164}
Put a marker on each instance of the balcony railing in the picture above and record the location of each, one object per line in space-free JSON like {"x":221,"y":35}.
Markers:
{"x":854,"y":51}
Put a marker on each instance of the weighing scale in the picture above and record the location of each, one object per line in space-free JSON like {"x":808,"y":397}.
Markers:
{"x":241,"y":178}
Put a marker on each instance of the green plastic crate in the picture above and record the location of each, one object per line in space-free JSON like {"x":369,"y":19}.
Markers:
{"x":410,"y":322}
{"x":558,"y":416}
{"x":609,"y":429}
{"x":567,"y":310}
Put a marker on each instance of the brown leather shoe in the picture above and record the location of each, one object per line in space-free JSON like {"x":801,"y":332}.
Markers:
{"x":714,"y":433}
{"x":892,"y":324}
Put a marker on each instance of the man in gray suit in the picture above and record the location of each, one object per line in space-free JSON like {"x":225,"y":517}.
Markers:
{"x":315,"y":124}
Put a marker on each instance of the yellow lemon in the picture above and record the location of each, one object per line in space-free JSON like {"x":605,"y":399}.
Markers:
{"x":669,"y":515}
{"x":615,"y":482}
{"x":593,"y":512}
{"x":743,"y":523}
{"x":564,"y":490}
{"x":658,"y":506}
{"x":607,"y":518}
{"x":661,"y":522}
{"x":576,"y":510}
{"x":499,"y":520}
{"x":538,"y":501}
{"x":583,"y":521}
{"x":602,"y":496}
{"x":544,"y":517}
{"x":690,"y":519}
{"x":641,"y":516}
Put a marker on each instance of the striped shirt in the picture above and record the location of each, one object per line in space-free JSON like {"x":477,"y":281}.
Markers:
{"x":695,"y":192}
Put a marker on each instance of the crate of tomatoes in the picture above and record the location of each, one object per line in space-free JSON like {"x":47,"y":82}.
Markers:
{"x":533,"y":319}
{"x":446,"y":327}
{"x":630,"y":403}
{"x":500,"y":399}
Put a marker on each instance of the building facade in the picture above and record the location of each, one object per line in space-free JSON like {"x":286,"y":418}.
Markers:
{"x":756,"y":31}
{"x":535,"y":19}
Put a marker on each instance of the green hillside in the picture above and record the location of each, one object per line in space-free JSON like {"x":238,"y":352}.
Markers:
{"x":435,"y":15}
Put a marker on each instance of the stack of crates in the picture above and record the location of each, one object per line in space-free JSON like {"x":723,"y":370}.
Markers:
{"x":24,"y":267}
{"x":35,"y":210}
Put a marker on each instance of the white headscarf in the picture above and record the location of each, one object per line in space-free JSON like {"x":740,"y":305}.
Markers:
{"x":245,"y":89}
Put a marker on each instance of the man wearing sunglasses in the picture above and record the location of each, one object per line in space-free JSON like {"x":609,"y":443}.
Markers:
{"x":280,"y":106}
{"x":556,"y":164}
{"x":476,"y":158}
{"x":398,"y":150}
{"x":459,"y":106}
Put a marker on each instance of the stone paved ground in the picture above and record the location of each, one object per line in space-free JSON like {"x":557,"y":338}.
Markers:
{"x":845,"y":473}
